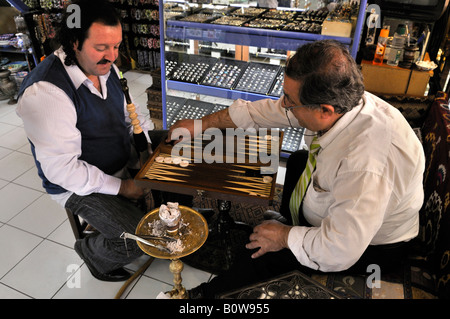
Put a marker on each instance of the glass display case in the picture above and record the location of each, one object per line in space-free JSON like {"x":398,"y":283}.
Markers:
{"x":212,"y":54}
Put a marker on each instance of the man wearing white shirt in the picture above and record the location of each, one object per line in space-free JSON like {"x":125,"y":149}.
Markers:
{"x":361,"y":206}
{"x":74,"y":114}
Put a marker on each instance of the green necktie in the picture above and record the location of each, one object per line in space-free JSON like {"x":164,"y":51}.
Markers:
{"x":302,"y":184}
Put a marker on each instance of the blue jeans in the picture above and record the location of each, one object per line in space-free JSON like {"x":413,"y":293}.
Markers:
{"x":110,"y":216}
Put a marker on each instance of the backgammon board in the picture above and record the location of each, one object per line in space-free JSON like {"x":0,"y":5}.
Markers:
{"x":240,"y":167}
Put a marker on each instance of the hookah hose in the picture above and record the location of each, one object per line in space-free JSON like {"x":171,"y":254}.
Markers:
{"x":140,"y":140}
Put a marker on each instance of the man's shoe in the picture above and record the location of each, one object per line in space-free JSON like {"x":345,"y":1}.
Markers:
{"x":119,"y":274}
{"x":271,"y":214}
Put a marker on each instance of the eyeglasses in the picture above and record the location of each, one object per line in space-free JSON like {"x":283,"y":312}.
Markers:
{"x":289,"y":108}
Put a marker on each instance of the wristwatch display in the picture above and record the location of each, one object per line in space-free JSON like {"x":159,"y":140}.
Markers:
{"x":223,"y":52}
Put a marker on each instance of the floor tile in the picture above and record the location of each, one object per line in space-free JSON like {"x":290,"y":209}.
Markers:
{"x":30,"y":179}
{"x":9,"y":293}
{"x":138,"y":86}
{"x":4,"y":152}
{"x":15,"y":244}
{"x":40,"y":275}
{"x":25,"y":149}
{"x":15,"y":164}
{"x":14,"y":198}
{"x":11,"y":118}
{"x":141,"y":102}
{"x":14,"y":139}
{"x":159,"y":269}
{"x":132,"y":75}
{"x":6,"y":108}
{"x":191,"y":277}
{"x":148,"y":288}
{"x":3,"y":183}
{"x":138,"y":263}
{"x":5,"y":128}
{"x":82,"y":285}
{"x":63,"y":235}
{"x":41,"y":217}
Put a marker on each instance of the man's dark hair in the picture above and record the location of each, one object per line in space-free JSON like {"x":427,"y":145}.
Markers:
{"x":329,"y":75}
{"x":99,"y":11}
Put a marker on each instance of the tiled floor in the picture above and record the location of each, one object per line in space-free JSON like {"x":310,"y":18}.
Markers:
{"x":36,"y":241}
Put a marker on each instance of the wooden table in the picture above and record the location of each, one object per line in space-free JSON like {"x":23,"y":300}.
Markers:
{"x":240,"y":175}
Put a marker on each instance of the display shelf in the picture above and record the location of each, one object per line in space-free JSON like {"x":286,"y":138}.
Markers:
{"x":274,"y":39}
{"x":216,"y":91}
{"x":244,"y":36}
{"x":26,"y":53}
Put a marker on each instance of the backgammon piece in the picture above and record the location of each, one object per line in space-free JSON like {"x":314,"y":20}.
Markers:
{"x":159,"y":159}
{"x":267,"y":179}
{"x":168,"y":160}
{"x":184,"y":163}
{"x":176,"y":160}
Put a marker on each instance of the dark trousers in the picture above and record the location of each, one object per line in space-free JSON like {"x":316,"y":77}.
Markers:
{"x":247,"y":271}
{"x":110,"y":216}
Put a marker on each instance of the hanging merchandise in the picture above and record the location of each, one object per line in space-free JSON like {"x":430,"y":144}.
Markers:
{"x":140,"y":27}
{"x":381,"y":46}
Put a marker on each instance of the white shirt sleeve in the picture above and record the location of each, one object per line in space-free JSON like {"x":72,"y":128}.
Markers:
{"x":52,"y":130}
{"x":265,"y":113}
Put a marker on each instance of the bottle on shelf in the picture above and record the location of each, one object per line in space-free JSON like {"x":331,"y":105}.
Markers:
{"x":381,"y":46}
{"x":398,"y":43}
{"x":409,"y":56}
{"x":400,"y":36}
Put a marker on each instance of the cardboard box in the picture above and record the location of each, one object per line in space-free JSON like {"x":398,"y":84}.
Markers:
{"x":337,"y":28}
{"x":418,"y":82}
{"x":385,"y":79}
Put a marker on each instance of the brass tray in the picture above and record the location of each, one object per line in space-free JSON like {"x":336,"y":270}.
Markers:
{"x":193,"y":234}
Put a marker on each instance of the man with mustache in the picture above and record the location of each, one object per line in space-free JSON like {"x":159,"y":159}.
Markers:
{"x":74,"y":113}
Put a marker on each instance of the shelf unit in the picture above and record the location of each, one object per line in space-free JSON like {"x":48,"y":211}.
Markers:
{"x":273,"y":39}
{"x":242,"y":38}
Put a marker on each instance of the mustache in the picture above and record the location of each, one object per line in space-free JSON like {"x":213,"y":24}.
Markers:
{"x":104,"y":61}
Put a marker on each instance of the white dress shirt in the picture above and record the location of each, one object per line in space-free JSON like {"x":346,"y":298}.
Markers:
{"x":50,"y":118}
{"x":366,"y":188}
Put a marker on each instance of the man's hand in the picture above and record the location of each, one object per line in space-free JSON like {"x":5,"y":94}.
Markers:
{"x":270,"y":236}
{"x":187,"y":125}
{"x":220,"y":120}
{"x":130,"y":190}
